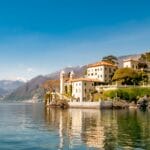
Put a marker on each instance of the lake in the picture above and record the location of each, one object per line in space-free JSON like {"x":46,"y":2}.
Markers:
{"x":32,"y":127}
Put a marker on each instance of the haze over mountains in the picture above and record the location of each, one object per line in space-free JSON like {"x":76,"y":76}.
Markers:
{"x":33,"y":88}
{"x":8,"y":86}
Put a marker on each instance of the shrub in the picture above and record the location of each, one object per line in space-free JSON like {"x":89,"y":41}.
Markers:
{"x":129,"y":94}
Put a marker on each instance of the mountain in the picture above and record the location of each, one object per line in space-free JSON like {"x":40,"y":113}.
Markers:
{"x":8,"y":86}
{"x":27,"y":90}
{"x":121,"y":58}
{"x":3,"y":92}
{"x":78,"y":70}
{"x":34,"y":87}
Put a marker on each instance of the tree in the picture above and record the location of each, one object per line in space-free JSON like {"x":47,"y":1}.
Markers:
{"x":145,"y":57}
{"x":128,"y":76}
{"x":85,"y":72}
{"x":111,"y":59}
{"x":70,"y":90}
{"x":142,"y":65}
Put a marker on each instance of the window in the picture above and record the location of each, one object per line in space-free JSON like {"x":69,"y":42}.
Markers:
{"x":85,"y":84}
{"x":91,"y":74}
{"x":109,"y":70}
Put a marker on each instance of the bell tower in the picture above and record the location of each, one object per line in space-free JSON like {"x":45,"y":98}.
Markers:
{"x":62,"y":75}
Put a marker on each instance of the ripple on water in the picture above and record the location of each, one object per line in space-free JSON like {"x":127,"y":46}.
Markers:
{"x":30,"y":126}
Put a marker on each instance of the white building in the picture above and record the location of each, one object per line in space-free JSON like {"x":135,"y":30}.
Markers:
{"x":102,"y":71}
{"x":130,"y":63}
{"x":81,"y":88}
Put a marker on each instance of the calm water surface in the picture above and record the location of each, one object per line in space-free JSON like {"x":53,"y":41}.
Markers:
{"x":31,"y":127}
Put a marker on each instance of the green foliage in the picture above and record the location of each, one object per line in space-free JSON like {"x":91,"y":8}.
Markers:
{"x":142,"y":65}
{"x":66,"y":90}
{"x":85,"y":72}
{"x":111,"y":59}
{"x":129,"y":94}
{"x":96,"y":96}
{"x":70,"y":90}
{"x":145,"y":57}
{"x":128,"y":76}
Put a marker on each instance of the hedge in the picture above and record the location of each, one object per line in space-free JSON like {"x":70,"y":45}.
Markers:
{"x":129,"y":94}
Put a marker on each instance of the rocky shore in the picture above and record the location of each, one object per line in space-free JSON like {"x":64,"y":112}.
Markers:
{"x":142,"y":103}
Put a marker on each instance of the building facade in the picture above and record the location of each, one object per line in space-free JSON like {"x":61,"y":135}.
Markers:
{"x":81,"y":88}
{"x":130,"y":63}
{"x":102,"y":71}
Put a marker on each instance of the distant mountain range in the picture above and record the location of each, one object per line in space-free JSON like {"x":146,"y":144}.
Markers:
{"x":8,"y":86}
{"x":33,"y":87}
{"x":121,"y":58}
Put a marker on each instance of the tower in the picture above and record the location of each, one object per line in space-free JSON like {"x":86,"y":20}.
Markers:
{"x":71,"y":75}
{"x":62,"y":75}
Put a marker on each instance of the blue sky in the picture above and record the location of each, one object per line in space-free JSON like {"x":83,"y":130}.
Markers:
{"x":42,"y":36}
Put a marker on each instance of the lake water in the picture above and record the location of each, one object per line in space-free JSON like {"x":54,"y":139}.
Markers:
{"x":32,"y":127}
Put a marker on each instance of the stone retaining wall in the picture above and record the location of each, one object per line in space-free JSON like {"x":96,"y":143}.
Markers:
{"x":98,"y":105}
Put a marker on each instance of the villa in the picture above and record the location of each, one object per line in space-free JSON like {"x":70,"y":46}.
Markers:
{"x":130,"y":63}
{"x":80,"y":88}
{"x":102,"y":71}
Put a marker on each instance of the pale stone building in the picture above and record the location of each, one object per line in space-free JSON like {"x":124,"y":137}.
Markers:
{"x":81,"y":88}
{"x":102,"y":71}
{"x":130,"y":63}
{"x":78,"y":88}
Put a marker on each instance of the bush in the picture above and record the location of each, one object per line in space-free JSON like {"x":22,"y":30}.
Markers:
{"x":129,"y":94}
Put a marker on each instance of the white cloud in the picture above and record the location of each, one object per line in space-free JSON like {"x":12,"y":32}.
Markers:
{"x":17,"y":78}
{"x":30,"y":70}
{"x":21,"y":79}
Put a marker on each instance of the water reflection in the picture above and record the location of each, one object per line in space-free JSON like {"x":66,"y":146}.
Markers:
{"x":95,"y":129}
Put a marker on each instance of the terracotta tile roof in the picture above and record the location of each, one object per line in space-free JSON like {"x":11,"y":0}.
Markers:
{"x":101,"y":63}
{"x":130,"y":59}
{"x":84,"y":79}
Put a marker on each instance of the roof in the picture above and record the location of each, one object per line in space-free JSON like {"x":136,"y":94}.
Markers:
{"x":101,"y":63}
{"x":130,"y":59}
{"x":84,"y":79}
